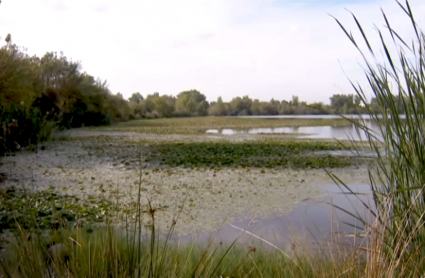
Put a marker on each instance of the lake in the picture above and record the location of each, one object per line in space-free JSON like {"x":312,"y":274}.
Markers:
{"x":354,"y":116}
{"x":314,"y":132}
{"x":314,"y":223}
{"x":307,"y":116}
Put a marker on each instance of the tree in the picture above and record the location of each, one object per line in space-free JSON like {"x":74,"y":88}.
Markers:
{"x":156,"y":105}
{"x":38,"y":93}
{"x":342,"y":103}
{"x":295,"y":100}
{"x":136,"y":98}
{"x":191,"y":103}
{"x":255,"y":107}
{"x":240,"y":106}
{"x":276,"y":106}
{"x":164,"y":105}
{"x":55,"y":70}
{"x":286,"y":108}
{"x":217,"y":108}
{"x":318,"y":108}
{"x":16,"y":77}
{"x":357,"y":100}
{"x":266,"y":108}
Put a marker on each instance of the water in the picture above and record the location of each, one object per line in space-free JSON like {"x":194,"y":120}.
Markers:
{"x":313,"y":223}
{"x":307,"y":116}
{"x":363,"y":116}
{"x":313,"y":132}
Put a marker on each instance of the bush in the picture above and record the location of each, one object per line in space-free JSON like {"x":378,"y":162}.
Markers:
{"x":38,"y":95}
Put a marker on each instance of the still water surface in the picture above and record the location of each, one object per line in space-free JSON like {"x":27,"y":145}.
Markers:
{"x":307,"y":116}
{"x":316,"y":223}
{"x":314,"y":132}
{"x":313,"y":223}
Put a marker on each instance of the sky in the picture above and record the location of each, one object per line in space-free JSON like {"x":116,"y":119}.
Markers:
{"x":261,"y":48}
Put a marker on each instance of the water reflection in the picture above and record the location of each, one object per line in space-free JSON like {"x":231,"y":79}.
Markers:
{"x":313,"y":223}
{"x":314,"y":132}
{"x":348,"y":116}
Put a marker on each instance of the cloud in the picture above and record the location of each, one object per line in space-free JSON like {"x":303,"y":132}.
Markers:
{"x":206,"y":36}
{"x":265,"y":49}
{"x":193,"y":39}
{"x":55,"y":6}
{"x":101,"y":8}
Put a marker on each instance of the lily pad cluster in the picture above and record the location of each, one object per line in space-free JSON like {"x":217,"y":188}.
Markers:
{"x":261,"y":154}
{"x":47,"y":210}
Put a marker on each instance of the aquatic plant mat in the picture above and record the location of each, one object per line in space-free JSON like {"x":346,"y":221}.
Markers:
{"x":54,"y":233}
{"x":47,"y":209}
{"x":219,"y":180}
{"x":395,"y":239}
{"x":259,"y":154}
{"x":201,"y":124}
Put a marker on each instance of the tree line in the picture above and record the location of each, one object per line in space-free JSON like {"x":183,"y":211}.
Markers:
{"x":40,"y":94}
{"x":193,"y":103}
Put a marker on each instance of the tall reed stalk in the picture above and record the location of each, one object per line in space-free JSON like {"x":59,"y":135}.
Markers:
{"x":397,"y":177}
{"x":396,"y":237}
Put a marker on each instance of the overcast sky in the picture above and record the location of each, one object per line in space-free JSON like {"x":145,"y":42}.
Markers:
{"x":261,"y":48}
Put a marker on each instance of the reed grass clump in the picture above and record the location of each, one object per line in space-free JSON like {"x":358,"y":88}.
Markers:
{"x":108,"y":252}
{"x":395,"y":237}
{"x":397,"y":179}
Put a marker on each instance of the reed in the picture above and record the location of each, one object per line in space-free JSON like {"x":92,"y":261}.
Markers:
{"x":397,"y":178}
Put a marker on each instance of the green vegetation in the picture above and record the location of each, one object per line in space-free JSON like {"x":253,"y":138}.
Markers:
{"x":49,"y":210}
{"x":108,"y":253}
{"x":38,"y":95}
{"x":199,"y":125}
{"x":398,"y":177}
{"x":193,"y":103}
{"x":395,"y":239}
{"x":268,"y":154}
{"x":132,"y":249}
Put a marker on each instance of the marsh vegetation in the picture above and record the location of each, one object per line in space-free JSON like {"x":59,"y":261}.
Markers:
{"x":199,"y":125}
{"x":263,"y":154}
{"x":171,"y":174}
